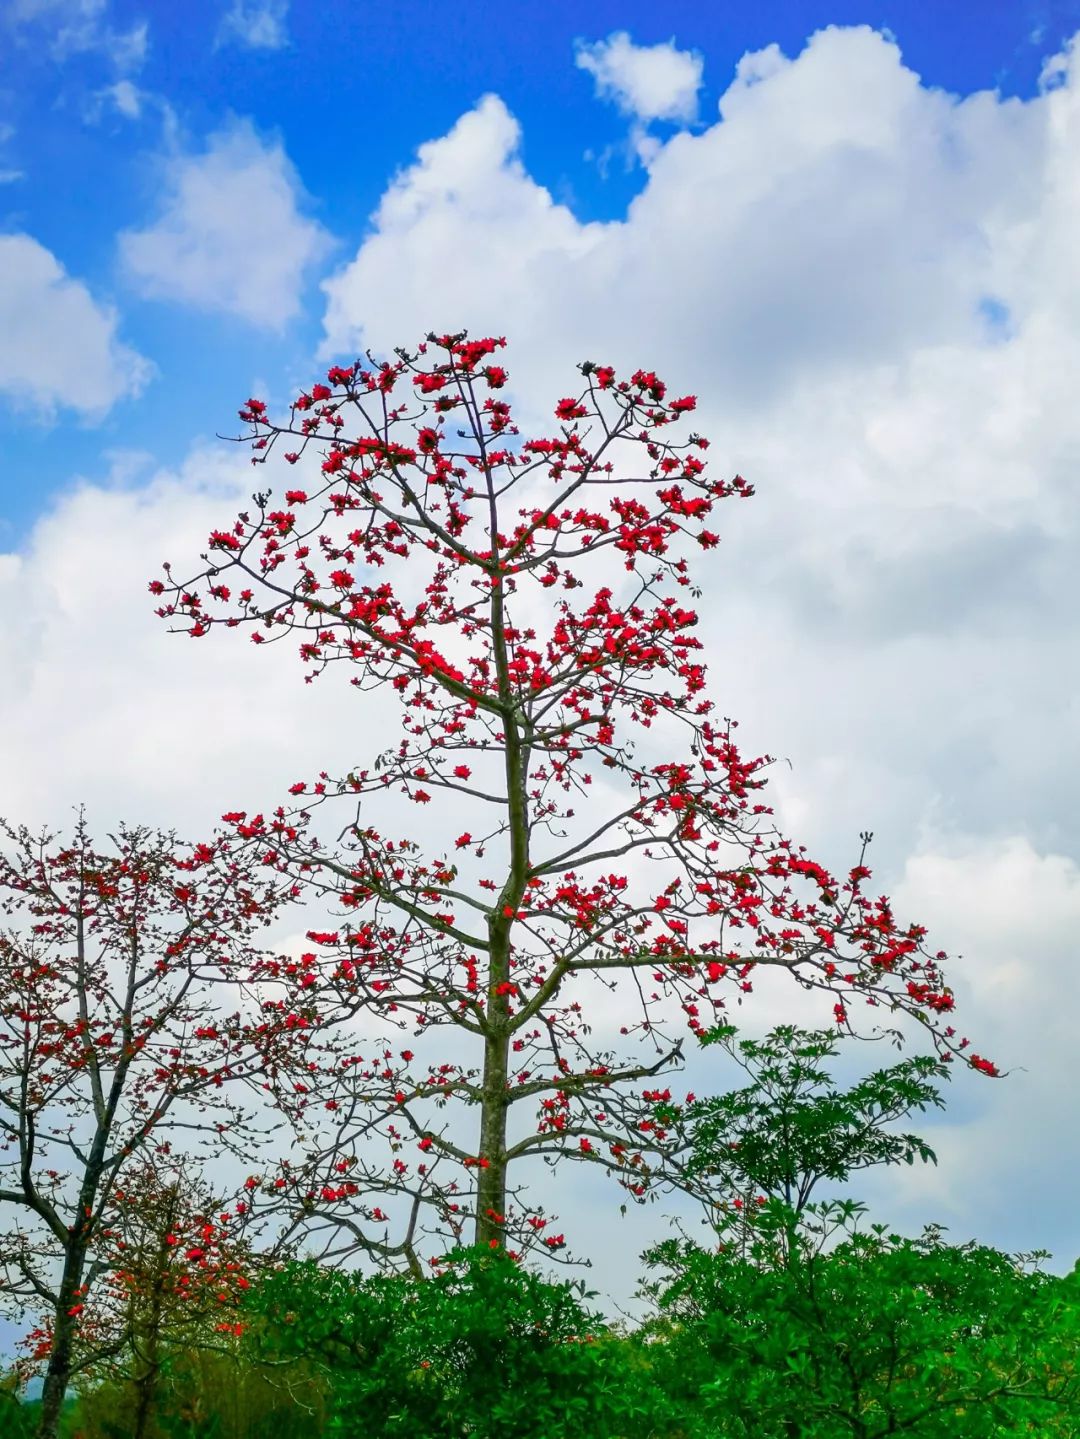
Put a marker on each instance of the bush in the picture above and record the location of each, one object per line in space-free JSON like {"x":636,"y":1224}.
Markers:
{"x":484,"y":1348}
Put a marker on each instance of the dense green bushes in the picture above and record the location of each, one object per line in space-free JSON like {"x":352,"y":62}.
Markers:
{"x":483,"y":1347}
{"x":792,"y":1324}
{"x":880,"y":1336}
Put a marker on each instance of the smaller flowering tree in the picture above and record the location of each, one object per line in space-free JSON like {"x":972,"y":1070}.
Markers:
{"x":177,"y":1263}
{"x":112,"y":1036}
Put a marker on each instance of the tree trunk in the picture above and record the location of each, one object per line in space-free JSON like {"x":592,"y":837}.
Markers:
{"x":491,"y":1181}
{"x":146,"y":1384}
{"x":58,"y":1374}
{"x":149,"y":1354}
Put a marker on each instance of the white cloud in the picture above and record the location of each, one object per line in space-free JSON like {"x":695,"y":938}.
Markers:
{"x":133,"y":103}
{"x":125,"y":97}
{"x":230,"y":236}
{"x":1013,"y":911}
{"x":80,"y":27}
{"x":8,"y":174}
{"x":258,"y":25}
{"x":511,"y":242}
{"x":58,"y":345}
{"x":648,"y":82}
{"x":96,"y":689}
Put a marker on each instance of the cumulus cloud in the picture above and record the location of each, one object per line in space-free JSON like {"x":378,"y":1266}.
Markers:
{"x":648,"y":82}
{"x":58,"y":345}
{"x":1012,"y":910}
{"x":96,"y":689}
{"x":259,"y":25}
{"x":230,"y":236}
{"x":512,"y":245}
{"x":850,"y":370}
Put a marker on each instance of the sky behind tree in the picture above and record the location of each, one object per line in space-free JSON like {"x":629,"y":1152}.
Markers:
{"x":852,"y":230}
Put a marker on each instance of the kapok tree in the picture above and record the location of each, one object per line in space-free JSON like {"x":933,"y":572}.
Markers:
{"x":112,"y":1038}
{"x":516,"y":615}
{"x":178,"y":1264}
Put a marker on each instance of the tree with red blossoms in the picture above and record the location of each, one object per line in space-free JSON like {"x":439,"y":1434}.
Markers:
{"x":112,"y":1036}
{"x":178,"y":1265}
{"x":525,"y":606}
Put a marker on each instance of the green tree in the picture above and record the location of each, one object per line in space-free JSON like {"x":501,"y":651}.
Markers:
{"x":791,"y":1127}
{"x":773,"y":1333}
{"x":17,"y":1420}
{"x":881,"y":1335}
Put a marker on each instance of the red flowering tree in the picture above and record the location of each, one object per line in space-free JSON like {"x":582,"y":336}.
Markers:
{"x":177,"y":1264}
{"x":517,"y":615}
{"x":112,"y":1036}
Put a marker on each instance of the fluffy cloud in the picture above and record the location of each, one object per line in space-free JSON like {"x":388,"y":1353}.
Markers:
{"x":58,"y":345}
{"x":865,"y":217}
{"x":912,"y":445}
{"x":101,"y":705}
{"x":649,"y":82}
{"x":1013,"y":911}
{"x":256,"y":26}
{"x":230,"y":236}
{"x":467,"y":195}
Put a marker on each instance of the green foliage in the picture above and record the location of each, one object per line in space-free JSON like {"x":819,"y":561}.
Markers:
{"x":768,"y":1335}
{"x":779,"y":1136}
{"x":795,"y":1325}
{"x":483,"y":1348}
{"x":881,"y":1335}
{"x":17,"y":1420}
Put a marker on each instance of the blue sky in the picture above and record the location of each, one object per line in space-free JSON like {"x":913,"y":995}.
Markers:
{"x":852,"y":229}
{"x":351,"y":95}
